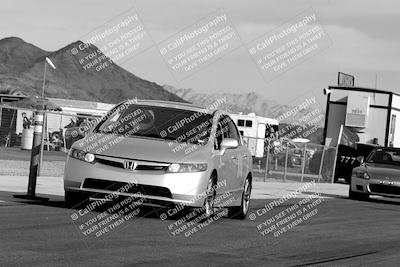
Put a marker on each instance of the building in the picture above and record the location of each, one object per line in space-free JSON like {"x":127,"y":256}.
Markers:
{"x":371,"y":113}
{"x":254,"y":129}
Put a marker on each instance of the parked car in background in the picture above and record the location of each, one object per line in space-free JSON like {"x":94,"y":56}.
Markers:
{"x":347,"y":159}
{"x":295,"y":152}
{"x":173,"y":153}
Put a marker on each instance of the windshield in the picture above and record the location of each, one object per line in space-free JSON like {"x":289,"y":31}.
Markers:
{"x":389,"y":156}
{"x":157,"y":122}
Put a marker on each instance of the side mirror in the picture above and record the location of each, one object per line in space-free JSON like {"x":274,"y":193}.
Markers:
{"x":82,"y":131}
{"x":360,"y":159}
{"x":228,"y":143}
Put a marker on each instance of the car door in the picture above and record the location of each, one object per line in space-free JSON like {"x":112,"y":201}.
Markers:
{"x":228,"y":168}
{"x":243,"y":154}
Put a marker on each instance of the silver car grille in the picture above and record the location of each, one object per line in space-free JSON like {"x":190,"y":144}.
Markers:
{"x":384,"y":189}
{"x":140,"y":164}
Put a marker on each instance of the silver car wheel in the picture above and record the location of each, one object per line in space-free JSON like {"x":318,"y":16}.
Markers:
{"x":209,"y":201}
{"x":246,"y":196}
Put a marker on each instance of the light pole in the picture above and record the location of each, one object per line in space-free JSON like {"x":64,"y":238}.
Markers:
{"x":44,"y":107}
{"x":37,"y":144}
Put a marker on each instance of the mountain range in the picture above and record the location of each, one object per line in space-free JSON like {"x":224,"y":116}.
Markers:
{"x":250,"y":102}
{"x":22,"y":65}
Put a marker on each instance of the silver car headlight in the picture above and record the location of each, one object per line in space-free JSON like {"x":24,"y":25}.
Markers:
{"x":187,"y":167}
{"x":82,"y":155}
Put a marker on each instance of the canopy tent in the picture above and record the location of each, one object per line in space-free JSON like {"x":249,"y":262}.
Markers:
{"x":34,"y":102}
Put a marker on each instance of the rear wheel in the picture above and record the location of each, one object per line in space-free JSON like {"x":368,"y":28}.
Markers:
{"x":241,"y":211}
{"x":75,"y":199}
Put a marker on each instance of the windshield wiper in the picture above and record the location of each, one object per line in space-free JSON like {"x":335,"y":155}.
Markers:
{"x":197,"y":142}
{"x":105,"y":131}
{"x":151,"y":135}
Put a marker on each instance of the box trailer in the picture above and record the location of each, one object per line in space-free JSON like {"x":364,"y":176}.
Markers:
{"x":254,"y":130}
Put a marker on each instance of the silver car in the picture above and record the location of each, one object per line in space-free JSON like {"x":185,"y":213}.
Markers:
{"x":378,"y":175}
{"x":166,"y":152}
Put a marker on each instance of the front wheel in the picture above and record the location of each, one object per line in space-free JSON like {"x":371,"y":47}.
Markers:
{"x":75,"y":199}
{"x":241,"y":211}
{"x":210,"y":197}
{"x":357,"y":196}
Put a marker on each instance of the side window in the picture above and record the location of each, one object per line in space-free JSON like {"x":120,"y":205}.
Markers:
{"x":222,"y":132}
{"x":226,"y":128}
{"x":224,"y":122}
{"x":240,"y":122}
{"x":233,"y":131}
{"x":249,"y":124}
{"x":218,"y":137}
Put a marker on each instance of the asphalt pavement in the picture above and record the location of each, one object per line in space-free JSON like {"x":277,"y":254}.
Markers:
{"x":327,"y":230}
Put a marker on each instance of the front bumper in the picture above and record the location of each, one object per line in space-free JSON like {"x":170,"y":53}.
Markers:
{"x":377,"y":187}
{"x":159,"y":186}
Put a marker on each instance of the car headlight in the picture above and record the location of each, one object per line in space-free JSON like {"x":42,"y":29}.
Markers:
{"x":82,"y":155}
{"x":362,"y":174}
{"x":187,"y":167}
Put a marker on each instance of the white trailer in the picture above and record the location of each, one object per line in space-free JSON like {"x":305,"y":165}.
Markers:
{"x":254,"y":129}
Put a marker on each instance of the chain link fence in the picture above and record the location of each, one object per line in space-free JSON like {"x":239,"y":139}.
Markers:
{"x":291,"y":161}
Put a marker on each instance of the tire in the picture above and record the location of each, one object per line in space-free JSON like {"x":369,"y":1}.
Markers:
{"x":357,"y":196}
{"x":210,"y":196}
{"x":75,"y":199}
{"x":240,"y":212}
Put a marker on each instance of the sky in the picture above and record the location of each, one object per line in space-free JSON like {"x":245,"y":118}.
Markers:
{"x":365,"y":40}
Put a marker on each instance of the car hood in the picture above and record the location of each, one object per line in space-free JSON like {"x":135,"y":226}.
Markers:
{"x":149,"y":149}
{"x":383,"y":171}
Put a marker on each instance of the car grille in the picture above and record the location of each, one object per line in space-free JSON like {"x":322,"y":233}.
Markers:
{"x":140,"y":167}
{"x":150,"y":190}
{"x":384,"y":189}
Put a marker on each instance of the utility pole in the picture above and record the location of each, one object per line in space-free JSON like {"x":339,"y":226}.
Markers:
{"x":44,"y":107}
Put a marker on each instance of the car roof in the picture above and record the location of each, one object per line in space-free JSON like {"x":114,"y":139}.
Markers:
{"x":171,"y":104}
